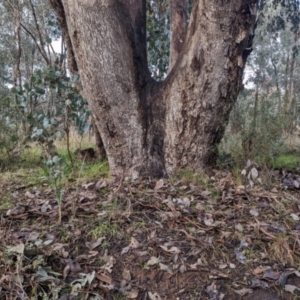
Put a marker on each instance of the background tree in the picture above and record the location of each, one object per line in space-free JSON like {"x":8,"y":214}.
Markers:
{"x":264,"y":121}
{"x":42,"y":101}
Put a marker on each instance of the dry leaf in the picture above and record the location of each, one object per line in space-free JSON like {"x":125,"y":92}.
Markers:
{"x":29,"y":195}
{"x":132,"y":294}
{"x":18,"y":249}
{"x":291,"y":288}
{"x":103,"y":277}
{"x":223,"y":266}
{"x":259,"y":270}
{"x":159,"y":184}
{"x":295,"y":217}
{"x":254,"y":173}
{"x":254,"y":212}
{"x":134,"y":243}
{"x":269,"y":273}
{"x":154,"y":296}
{"x":173,"y":249}
{"x":244,"y":291}
{"x":165,"y":268}
{"x":89,"y":186}
{"x":126,"y":275}
{"x":93,"y":245}
{"x":153,"y":261}
{"x":239,"y":227}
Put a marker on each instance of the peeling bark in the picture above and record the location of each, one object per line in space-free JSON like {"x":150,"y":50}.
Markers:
{"x":150,"y":128}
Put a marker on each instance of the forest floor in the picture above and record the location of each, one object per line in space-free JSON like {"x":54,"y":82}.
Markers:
{"x":190,"y":237}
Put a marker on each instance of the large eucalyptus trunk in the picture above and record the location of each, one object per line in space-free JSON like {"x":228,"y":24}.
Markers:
{"x":154,"y":128}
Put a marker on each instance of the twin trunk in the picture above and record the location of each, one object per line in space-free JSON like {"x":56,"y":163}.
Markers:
{"x":154,"y":128}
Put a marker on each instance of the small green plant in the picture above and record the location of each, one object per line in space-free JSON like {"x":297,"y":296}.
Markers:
{"x":104,"y":228}
{"x":55,"y":165}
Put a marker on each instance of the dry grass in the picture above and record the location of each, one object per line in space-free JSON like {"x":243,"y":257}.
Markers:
{"x":76,"y":141}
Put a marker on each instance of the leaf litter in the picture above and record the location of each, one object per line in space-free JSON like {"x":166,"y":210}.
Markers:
{"x":153,"y":240}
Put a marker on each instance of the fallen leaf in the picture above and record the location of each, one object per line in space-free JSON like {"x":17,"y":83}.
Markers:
{"x":240,"y":256}
{"x":142,"y":253}
{"x":132,"y":294}
{"x":291,"y":288}
{"x":173,"y":249}
{"x":259,"y":270}
{"x":33,"y":236}
{"x":269,"y":273}
{"x":125,"y":250}
{"x":208,"y":222}
{"x":29,"y":195}
{"x":254,"y":212}
{"x":134,"y":243}
{"x":153,"y":261}
{"x":74,"y":265}
{"x":126,"y":275}
{"x":154,"y":296}
{"x":165,"y":268}
{"x":89,"y":186}
{"x":93,"y":245}
{"x":182,"y":269}
{"x":254,"y":173}
{"x":295,"y":217}
{"x":101,"y":184}
{"x":244,"y":291}
{"x":18,"y":249}
{"x":258,"y":283}
{"x":104,"y":277}
{"x":15,"y":211}
{"x":159,"y":184}
{"x":239,"y":227}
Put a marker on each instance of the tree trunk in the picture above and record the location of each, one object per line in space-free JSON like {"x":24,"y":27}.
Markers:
{"x":178,"y":24}
{"x":100,"y":152}
{"x":150,"y":128}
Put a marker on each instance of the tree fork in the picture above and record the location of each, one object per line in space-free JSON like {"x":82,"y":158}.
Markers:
{"x":150,"y":128}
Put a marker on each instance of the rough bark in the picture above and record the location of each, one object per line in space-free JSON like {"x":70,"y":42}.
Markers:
{"x":72,"y":64}
{"x":100,"y":151}
{"x":178,"y":28}
{"x":150,"y":128}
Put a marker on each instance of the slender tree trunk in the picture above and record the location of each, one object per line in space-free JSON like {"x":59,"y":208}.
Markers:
{"x":150,"y":128}
{"x":278,"y":88}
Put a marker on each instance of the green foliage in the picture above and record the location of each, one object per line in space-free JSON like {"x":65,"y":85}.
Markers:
{"x":158,"y":41}
{"x":158,"y":37}
{"x":49,"y":104}
{"x":267,"y":111}
{"x":56,"y":173}
{"x":103,"y":228}
{"x":286,"y":161}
